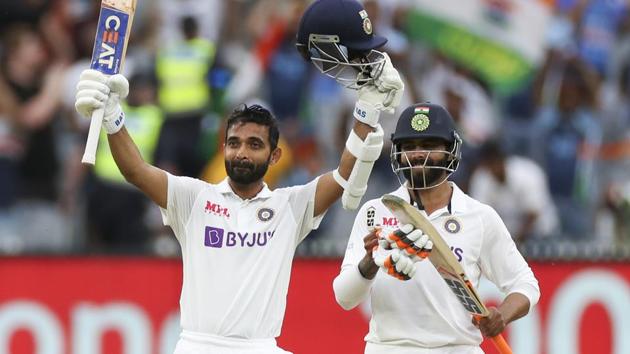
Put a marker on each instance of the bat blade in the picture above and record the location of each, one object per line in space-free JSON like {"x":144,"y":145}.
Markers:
{"x":444,"y":262}
{"x":110,"y":46}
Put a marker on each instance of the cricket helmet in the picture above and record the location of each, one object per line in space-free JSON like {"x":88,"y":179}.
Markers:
{"x":424,"y":121}
{"x":336,"y":36}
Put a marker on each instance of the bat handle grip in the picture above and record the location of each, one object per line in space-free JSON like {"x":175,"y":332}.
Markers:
{"x":89,"y":155}
{"x":499,"y":342}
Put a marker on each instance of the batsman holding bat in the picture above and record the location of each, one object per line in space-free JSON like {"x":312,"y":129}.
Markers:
{"x":238,"y":237}
{"x":413,"y":308}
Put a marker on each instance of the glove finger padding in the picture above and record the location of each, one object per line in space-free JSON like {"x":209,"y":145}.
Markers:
{"x":92,"y":92}
{"x":100,"y":87}
{"x":389,"y":82}
{"x":98,"y":91}
{"x":389,"y":79}
{"x":86,"y":105}
{"x":413,"y":241}
{"x":394,"y":262}
{"x":119,"y":85}
{"x":96,"y":95}
{"x":93,"y":75}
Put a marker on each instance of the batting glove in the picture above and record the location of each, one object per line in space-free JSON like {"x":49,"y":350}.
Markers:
{"x":98,"y":91}
{"x":412,"y":241}
{"x":394,"y":262}
{"x":389,"y":82}
{"x":383,"y":95}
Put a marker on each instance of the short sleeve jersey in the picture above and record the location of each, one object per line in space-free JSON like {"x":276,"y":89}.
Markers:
{"x":236,"y":254}
{"x":423,"y":312}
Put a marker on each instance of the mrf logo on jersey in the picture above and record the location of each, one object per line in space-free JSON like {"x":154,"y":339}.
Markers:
{"x":216,"y":209}
{"x":216,"y":237}
{"x":390,"y":221}
{"x":110,"y":41}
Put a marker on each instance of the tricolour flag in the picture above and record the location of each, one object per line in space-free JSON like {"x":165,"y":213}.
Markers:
{"x":423,"y":110}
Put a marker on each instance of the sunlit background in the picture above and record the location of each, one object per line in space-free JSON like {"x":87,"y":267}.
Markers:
{"x":540,"y":91}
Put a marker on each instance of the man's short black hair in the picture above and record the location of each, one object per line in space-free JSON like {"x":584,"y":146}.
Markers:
{"x":255,"y":114}
{"x":492,"y":150}
{"x":189,"y":26}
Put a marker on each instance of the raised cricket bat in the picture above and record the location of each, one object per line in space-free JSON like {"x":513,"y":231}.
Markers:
{"x":110,"y":45}
{"x":444,"y":261}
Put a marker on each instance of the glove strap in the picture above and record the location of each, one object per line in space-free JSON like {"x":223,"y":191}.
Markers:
{"x":366,"y":113}
{"x":112,"y":126}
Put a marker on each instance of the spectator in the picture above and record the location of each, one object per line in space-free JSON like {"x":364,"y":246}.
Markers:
{"x":33,"y":83}
{"x":184,"y":94}
{"x":116,"y":210}
{"x":572,"y":134}
{"x":516,"y":187}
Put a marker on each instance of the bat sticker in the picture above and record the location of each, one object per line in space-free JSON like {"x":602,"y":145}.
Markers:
{"x":110,"y":41}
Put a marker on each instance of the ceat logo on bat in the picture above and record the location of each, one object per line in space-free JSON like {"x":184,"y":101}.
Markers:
{"x":110,"y":41}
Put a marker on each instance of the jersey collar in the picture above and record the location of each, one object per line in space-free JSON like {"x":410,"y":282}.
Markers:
{"x":224,"y":188}
{"x":457,"y":205}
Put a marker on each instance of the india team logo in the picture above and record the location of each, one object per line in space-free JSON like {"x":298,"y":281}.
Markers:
{"x":265,"y":214}
{"x":420,"y":121}
{"x":452,"y":226}
{"x":214,"y":237}
{"x":367,"y":24}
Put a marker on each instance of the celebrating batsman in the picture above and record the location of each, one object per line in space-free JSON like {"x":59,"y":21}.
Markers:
{"x":238,"y":237}
{"x":413,"y":310}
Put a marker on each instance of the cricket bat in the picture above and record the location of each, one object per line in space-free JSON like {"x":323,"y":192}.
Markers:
{"x":108,"y":55}
{"x":445,"y":262}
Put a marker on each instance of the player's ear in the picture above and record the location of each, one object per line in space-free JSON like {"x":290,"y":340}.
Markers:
{"x":275,"y":156}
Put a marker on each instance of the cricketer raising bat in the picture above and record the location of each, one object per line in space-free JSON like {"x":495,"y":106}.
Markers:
{"x":110,"y":45}
{"x":445,"y":262}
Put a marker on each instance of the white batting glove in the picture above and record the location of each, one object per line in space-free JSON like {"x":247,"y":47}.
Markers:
{"x":383,"y":95}
{"x":412,"y":241}
{"x":394,"y":262}
{"x":95,"y":91}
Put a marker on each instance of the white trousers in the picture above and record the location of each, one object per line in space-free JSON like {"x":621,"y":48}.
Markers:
{"x":373,"y":348}
{"x":196,"y":343}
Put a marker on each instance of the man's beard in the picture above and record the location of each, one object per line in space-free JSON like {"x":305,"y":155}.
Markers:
{"x":243,"y":172}
{"x":426,"y":177}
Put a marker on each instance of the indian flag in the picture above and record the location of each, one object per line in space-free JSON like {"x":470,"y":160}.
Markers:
{"x":423,"y":110}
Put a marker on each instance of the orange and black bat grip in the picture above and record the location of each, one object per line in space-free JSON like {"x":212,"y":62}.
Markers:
{"x":499,"y":342}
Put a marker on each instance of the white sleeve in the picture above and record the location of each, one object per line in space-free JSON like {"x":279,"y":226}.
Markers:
{"x":302,"y":202}
{"x":350,"y":287}
{"x":182,"y":193}
{"x":503,"y":264}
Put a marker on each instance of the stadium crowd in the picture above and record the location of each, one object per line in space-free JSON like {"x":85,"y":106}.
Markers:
{"x":552,"y":156}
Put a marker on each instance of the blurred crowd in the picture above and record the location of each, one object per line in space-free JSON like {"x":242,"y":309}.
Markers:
{"x":552,"y":156}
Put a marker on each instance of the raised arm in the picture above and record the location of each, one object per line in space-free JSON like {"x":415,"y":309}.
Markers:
{"x":364,"y":144}
{"x":96,"y":90}
{"x":328,"y":189}
{"x":148,"y":178}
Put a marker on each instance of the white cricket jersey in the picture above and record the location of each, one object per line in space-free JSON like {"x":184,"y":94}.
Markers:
{"x":423,"y":312}
{"x":236,"y":254}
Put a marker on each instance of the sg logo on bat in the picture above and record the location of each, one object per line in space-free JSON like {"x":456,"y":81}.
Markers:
{"x":110,"y":41}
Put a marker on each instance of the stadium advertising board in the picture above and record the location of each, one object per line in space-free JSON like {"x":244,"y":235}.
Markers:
{"x":112,"y":305}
